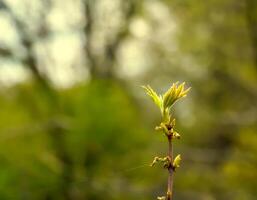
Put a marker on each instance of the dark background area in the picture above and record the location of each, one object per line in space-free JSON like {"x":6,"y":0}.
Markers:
{"x":75,"y":123}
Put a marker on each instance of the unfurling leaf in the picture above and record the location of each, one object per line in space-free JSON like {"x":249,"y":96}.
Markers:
{"x":176,"y":135}
{"x":166,"y":101}
{"x":174,"y":93}
{"x":165,"y":161}
{"x":157,"y":99}
{"x":173,"y":122}
{"x":177,"y":161}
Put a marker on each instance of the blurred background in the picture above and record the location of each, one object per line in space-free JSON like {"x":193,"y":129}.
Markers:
{"x":75,"y":123}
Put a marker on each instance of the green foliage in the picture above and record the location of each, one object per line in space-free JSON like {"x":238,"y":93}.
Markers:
{"x":78,"y":135}
{"x":167,"y":100}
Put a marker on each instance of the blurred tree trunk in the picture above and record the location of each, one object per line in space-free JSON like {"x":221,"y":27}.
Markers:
{"x":56,"y":132}
{"x":251,"y":17}
{"x":107,"y":68}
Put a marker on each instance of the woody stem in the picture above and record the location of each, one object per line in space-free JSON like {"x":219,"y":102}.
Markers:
{"x":170,"y":169}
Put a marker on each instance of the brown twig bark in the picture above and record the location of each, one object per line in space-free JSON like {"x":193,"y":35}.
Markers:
{"x":170,"y":169}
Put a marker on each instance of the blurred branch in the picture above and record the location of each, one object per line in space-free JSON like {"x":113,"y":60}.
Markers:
{"x":5,"y":52}
{"x":129,"y":10}
{"x":27,"y":42}
{"x":251,"y":17}
{"x":111,"y":49}
{"x":57,"y":131}
{"x":88,"y":32}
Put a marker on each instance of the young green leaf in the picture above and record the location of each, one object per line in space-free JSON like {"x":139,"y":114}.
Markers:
{"x":174,"y":93}
{"x":169,"y":96}
{"x":176,"y":135}
{"x":177,"y":161}
{"x":157,"y":99}
{"x":165,"y":115}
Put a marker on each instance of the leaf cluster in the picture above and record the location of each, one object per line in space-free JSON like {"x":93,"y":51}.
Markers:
{"x":168,"y":99}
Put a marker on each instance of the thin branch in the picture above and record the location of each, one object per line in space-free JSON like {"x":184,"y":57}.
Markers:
{"x":171,"y":170}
